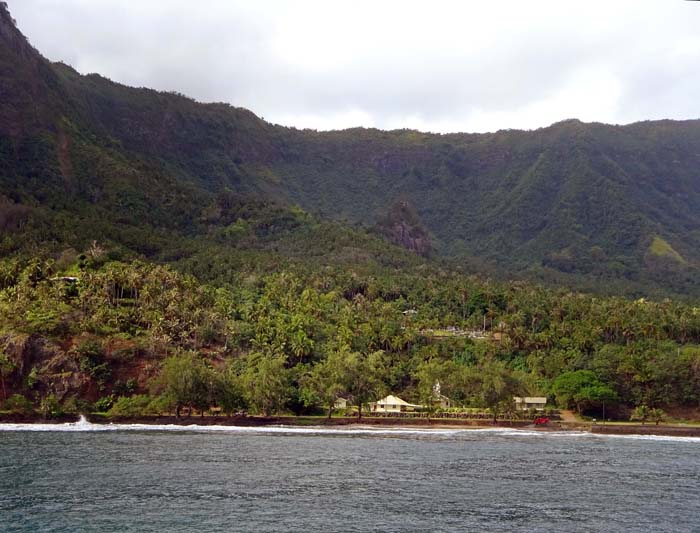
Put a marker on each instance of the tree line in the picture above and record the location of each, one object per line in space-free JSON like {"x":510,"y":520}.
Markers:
{"x":296,"y":340}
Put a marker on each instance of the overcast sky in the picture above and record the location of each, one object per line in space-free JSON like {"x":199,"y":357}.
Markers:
{"x":431,"y":65}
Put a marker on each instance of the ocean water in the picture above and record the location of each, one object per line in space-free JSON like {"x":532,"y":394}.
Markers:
{"x":80,"y":477}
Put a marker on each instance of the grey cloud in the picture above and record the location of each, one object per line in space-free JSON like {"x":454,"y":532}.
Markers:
{"x":312,"y":61}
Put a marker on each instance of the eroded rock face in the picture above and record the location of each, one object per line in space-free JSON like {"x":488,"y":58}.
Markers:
{"x":61,"y":375}
{"x":408,"y":237}
{"x":402,"y":226}
{"x":23,"y":351}
{"x":50,"y":367}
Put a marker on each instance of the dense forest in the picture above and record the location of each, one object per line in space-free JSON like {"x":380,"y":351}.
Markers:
{"x":91,"y":333}
{"x":157,"y":253}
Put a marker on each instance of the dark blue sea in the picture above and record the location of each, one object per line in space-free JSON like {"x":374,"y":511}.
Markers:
{"x":80,"y":477}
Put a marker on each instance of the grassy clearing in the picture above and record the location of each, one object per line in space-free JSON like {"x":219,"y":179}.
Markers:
{"x":661,"y":248}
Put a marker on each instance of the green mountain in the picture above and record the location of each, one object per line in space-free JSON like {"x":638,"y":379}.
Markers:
{"x":596,"y":206}
{"x":157,"y":253}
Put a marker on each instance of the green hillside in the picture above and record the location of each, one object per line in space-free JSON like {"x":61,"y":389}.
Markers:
{"x":157,"y":253}
{"x":574,"y":203}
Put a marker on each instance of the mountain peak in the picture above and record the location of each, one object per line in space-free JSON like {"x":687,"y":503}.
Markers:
{"x":11,"y":37}
{"x":27,"y":82}
{"x":5,"y":13}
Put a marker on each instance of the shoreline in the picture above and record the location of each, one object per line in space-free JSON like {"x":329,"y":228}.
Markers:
{"x":650,"y":430}
{"x":261,"y":421}
{"x":398,"y":423}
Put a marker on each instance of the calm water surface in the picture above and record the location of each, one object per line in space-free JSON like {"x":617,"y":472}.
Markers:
{"x":278,"y":479}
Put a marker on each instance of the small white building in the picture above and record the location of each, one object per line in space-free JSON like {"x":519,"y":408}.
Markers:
{"x":392,"y":404}
{"x":530,"y":402}
{"x":341,"y":403}
{"x":442,"y":401}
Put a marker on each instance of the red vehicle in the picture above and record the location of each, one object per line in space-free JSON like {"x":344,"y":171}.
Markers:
{"x":541,"y":421}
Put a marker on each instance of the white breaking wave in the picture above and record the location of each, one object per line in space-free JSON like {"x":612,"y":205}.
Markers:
{"x":83,"y":425}
{"x":670,"y":438}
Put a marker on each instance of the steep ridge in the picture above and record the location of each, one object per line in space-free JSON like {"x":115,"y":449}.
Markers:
{"x":29,"y":90}
{"x":127,"y":173}
{"x":574,"y":203}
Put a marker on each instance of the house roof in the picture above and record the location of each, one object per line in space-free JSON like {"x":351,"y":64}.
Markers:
{"x":531,"y":399}
{"x":395,"y":400}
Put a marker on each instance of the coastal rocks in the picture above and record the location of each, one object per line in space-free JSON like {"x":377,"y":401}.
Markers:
{"x":61,"y":376}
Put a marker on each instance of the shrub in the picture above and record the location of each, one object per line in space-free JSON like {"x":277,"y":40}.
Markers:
{"x":160,"y":404}
{"x":32,"y":378}
{"x":18,"y":404}
{"x":131,"y":406}
{"x":123,"y":355}
{"x":45,"y":321}
{"x":50,"y":407}
{"x":76,"y":405}
{"x":207,"y":335}
{"x":125,"y":388}
{"x":104,"y":404}
{"x":91,"y":359}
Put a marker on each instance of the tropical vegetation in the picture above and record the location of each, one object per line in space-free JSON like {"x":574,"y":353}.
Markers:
{"x":161,"y":255}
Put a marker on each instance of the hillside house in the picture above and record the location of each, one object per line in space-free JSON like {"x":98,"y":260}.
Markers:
{"x":530,"y":402}
{"x":392,"y":404}
{"x":441,"y":401}
{"x":341,"y":403}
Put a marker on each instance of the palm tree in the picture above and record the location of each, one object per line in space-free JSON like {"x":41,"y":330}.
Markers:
{"x":657,"y":415}
{"x":641,"y":413}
